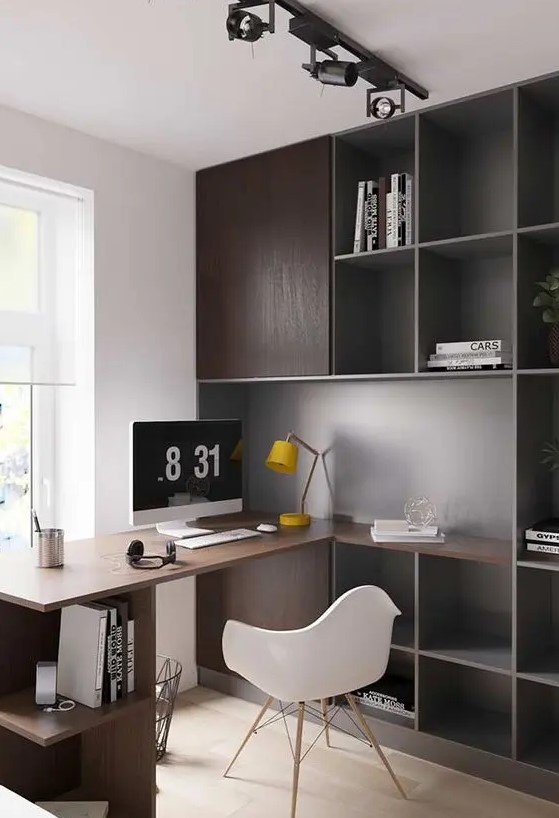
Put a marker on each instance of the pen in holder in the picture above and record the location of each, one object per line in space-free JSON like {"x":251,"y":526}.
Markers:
{"x":49,"y":545}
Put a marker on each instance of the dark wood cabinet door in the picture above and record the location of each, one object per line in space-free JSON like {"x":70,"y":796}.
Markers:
{"x":263,"y":264}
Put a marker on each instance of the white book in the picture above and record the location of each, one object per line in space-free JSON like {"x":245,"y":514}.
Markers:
{"x":394,"y":191}
{"x":475,"y":346}
{"x":81,"y":654}
{"x":130,"y":656}
{"x":466,"y":356}
{"x":390,"y":222}
{"x":406,"y":538}
{"x":409,"y":209}
{"x":359,"y":219}
{"x":76,"y":809}
{"x":403,"y":528}
{"x":503,"y":360}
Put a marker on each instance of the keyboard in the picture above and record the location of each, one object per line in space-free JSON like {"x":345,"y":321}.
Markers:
{"x":218,"y":538}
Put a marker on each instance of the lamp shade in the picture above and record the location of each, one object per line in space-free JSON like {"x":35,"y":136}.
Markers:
{"x":283,"y":457}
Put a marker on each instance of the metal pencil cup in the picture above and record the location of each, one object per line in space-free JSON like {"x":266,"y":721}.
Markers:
{"x":49,"y":544}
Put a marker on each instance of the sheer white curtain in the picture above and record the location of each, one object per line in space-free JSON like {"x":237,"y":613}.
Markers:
{"x":39,"y":258}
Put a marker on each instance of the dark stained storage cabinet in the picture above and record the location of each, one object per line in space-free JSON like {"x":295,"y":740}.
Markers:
{"x":263,"y":264}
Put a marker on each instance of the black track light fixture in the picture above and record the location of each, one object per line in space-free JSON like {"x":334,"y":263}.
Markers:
{"x":323,"y":37}
{"x":335,"y":72}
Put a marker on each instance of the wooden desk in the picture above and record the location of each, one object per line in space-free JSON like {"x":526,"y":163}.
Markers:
{"x":281,"y":580}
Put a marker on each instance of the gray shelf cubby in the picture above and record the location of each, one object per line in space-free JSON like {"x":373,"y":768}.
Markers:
{"x":394,"y":571}
{"x":402,"y":666}
{"x":465,"y":292}
{"x":367,"y":153}
{"x":465,"y":612}
{"x":538,"y":725}
{"x":538,"y":152}
{"x":466,"y":168}
{"x":538,"y":625}
{"x":466,"y":706}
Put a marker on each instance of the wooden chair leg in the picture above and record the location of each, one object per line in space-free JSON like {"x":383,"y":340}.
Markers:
{"x":297,"y":757}
{"x":374,"y":743}
{"x":324,"y":705}
{"x":252,"y":730}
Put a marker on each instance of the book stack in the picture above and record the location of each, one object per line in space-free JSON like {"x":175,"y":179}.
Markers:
{"x":480,"y":354}
{"x":544,"y":536}
{"x":401,"y":531}
{"x":384,"y":213}
{"x":392,"y":693}
{"x":96,"y":652}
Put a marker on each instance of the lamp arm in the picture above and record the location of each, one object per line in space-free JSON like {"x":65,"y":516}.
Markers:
{"x":292,"y":436}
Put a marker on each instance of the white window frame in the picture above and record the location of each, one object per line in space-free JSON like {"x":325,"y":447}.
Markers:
{"x":62,"y":417}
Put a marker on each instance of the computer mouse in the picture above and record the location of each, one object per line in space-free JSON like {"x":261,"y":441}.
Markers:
{"x":267,"y":528}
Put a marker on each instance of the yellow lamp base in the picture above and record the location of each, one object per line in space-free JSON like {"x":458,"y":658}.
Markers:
{"x":294,"y":519}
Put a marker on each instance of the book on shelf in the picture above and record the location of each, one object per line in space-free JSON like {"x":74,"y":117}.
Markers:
{"x":469,"y":367}
{"x":82,"y":653}
{"x":130,"y":657}
{"x":467,"y":356}
{"x":412,"y":537}
{"x":76,"y":809}
{"x":96,"y":652}
{"x":401,"y":528}
{"x":391,"y":235}
{"x":119,"y":638}
{"x":496,"y":346}
{"x":503,"y":361}
{"x":382,"y":212}
{"x":371,"y":216}
{"x":393,"y":693}
{"x":396,"y":210}
{"x":358,"y":238}
{"x":543,"y":536}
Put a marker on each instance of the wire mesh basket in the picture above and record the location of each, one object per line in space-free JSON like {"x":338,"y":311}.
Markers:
{"x":166,"y":689}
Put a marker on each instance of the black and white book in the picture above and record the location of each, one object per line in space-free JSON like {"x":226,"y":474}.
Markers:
{"x":392,"y":693}
{"x":457,"y":360}
{"x":120,"y":641}
{"x":480,"y":345}
{"x":371,"y":216}
{"x":358,"y":239}
{"x":110,"y":682}
{"x":130,"y":655}
{"x":544,"y":536}
{"x":392,"y":238}
{"x":82,"y":653}
{"x":470,"y":366}
{"x":408,"y":200}
{"x":466,"y":356}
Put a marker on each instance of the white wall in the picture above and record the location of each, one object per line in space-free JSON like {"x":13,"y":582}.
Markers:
{"x":144,"y":311}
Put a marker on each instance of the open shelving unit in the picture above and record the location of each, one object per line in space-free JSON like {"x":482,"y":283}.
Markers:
{"x":107,"y":753}
{"x":481,"y":627}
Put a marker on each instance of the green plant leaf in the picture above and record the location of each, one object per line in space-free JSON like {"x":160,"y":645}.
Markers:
{"x":550,"y":316}
{"x":543,"y":300}
{"x":543,"y":284}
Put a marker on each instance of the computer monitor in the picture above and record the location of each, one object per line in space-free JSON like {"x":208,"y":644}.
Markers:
{"x":181,"y":470}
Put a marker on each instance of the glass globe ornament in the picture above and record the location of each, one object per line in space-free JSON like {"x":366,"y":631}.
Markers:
{"x":420,"y":512}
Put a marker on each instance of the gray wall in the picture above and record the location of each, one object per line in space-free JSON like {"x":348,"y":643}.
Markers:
{"x":384,"y":442}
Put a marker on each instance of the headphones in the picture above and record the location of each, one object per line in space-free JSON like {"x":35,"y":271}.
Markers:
{"x":137,"y":559}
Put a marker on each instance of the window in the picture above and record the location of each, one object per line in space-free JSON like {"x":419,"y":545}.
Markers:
{"x":43,"y":253}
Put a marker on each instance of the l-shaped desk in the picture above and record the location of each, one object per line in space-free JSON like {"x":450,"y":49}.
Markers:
{"x":282,"y":580}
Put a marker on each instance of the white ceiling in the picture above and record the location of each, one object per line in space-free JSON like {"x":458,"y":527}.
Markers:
{"x":162,"y":77}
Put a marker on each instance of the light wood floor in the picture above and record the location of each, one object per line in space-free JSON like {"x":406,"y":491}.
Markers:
{"x":344,"y":782}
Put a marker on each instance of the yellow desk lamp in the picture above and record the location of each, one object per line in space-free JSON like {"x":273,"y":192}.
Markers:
{"x":283,"y":458}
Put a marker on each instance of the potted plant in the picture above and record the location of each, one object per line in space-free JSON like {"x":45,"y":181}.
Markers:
{"x":548,"y":298}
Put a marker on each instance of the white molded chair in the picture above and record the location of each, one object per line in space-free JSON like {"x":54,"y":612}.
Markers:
{"x":345,"y":649}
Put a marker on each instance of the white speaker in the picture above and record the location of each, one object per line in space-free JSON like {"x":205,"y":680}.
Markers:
{"x":45,"y":686}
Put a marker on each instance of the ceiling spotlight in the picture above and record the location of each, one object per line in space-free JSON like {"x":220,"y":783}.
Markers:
{"x":336,"y":72}
{"x":382,"y":108}
{"x":243,"y":25}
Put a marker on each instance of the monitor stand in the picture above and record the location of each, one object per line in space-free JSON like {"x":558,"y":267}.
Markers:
{"x":180,"y":530}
